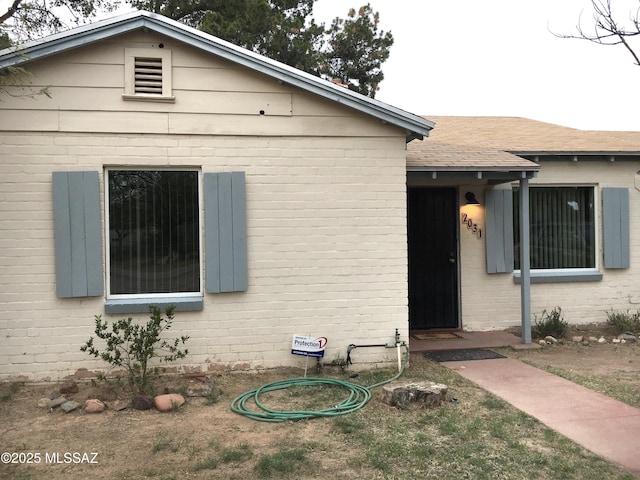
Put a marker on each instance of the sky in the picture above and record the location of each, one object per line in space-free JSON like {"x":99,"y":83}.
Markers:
{"x":499,"y":58}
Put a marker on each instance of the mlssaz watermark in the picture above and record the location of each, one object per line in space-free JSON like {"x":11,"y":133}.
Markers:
{"x":35,"y":458}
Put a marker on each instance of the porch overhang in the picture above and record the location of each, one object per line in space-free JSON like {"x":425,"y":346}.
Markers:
{"x":431,"y":162}
{"x":492,"y":177}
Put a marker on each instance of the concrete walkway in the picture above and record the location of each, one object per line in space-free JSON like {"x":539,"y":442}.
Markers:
{"x":602,"y":425}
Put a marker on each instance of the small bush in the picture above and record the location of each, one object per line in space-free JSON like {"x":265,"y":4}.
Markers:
{"x":550,"y":323}
{"x":624,"y":322}
{"x":133,"y":346}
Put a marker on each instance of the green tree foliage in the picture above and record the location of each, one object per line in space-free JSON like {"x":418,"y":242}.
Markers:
{"x":28,"y":19}
{"x":5,"y":41}
{"x":278,"y":29}
{"x":357,"y":50}
{"x":351,"y":50}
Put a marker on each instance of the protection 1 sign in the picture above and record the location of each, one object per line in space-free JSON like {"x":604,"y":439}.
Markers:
{"x":308,"y":346}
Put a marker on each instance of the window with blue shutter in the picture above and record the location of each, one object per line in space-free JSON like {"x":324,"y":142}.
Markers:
{"x":78,"y":237}
{"x":153,"y":225}
{"x":499,"y":230}
{"x":562,"y":227}
{"x":615,"y":218}
{"x":225,"y":232}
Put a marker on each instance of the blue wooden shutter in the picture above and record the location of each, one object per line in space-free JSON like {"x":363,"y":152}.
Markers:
{"x":499,"y":230}
{"x":225,"y":232}
{"x":78,"y":239}
{"x":615,"y":220}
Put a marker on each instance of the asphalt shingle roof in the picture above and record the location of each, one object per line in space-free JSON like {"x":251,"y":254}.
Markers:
{"x":491,"y":143}
{"x":522,"y":135}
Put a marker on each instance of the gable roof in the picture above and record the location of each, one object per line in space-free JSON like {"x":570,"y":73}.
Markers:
{"x":531,"y":137}
{"x":414,"y":125}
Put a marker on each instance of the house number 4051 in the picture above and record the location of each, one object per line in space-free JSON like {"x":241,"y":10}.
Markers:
{"x":475,"y":229}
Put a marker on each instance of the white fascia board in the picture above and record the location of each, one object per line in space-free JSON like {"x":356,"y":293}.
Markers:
{"x":415,"y":126}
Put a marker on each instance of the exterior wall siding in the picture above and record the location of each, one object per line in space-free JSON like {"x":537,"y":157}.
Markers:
{"x":492,"y":301}
{"x":326,"y":249}
{"x":326,"y":201}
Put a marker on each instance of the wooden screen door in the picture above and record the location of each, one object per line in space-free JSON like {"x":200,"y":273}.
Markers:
{"x":432,"y":222}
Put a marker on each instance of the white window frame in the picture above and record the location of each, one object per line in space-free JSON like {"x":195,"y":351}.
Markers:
{"x":569,"y":274}
{"x":130,"y":55}
{"x":153,"y":296}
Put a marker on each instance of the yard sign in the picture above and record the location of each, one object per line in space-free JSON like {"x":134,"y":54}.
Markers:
{"x":308,"y":346}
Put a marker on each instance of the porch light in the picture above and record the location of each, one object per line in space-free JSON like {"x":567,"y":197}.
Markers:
{"x":471,"y":199}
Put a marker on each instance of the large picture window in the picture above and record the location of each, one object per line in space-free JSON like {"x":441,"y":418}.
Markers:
{"x":562,"y":227}
{"x":154,"y":232}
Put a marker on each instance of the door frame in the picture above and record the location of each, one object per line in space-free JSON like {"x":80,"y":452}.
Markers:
{"x":458,"y":271}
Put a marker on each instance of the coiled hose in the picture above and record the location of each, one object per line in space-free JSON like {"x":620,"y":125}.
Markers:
{"x":358,"y":397}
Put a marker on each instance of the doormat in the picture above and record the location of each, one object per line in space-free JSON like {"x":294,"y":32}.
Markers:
{"x":435,"y":336}
{"x":462,"y":355}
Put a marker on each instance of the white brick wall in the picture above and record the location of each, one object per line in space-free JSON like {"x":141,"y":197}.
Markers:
{"x":327,"y":250}
{"x":493,"y":301}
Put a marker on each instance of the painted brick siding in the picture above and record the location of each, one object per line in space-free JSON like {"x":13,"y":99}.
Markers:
{"x":326,"y":247}
{"x":492,"y":301}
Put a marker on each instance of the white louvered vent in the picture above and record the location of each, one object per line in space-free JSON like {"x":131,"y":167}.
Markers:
{"x":148,"y":75}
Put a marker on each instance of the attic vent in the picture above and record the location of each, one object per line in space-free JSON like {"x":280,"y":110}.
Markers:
{"x":148,"y":75}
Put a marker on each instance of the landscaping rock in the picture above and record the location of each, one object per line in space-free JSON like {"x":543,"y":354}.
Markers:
{"x":627,"y":337}
{"x":593,"y":339}
{"x":551,"y":340}
{"x":578,"y":339}
{"x":602,"y":340}
{"x":422,"y":394}
{"x":142,"y":402}
{"x":93,"y":405}
{"x":616,"y":340}
{"x":168,"y":402}
{"x":54,"y":394}
{"x":116,"y":405}
{"x":69,"y":406}
{"x":199,"y":390}
{"x":69,"y":387}
{"x":44,"y":403}
{"x":56,"y":402}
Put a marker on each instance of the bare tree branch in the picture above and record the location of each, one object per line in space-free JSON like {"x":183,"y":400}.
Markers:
{"x":11,"y":11}
{"x":608,"y":31}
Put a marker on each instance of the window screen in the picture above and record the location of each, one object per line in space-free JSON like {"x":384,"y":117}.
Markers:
{"x":562,"y":227}
{"x":154,"y":244}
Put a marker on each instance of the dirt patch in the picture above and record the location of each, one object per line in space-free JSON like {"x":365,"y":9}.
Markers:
{"x":587,"y":356}
{"x":207,"y":440}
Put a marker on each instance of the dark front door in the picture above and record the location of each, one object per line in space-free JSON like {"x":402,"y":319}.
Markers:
{"x":432,"y":222}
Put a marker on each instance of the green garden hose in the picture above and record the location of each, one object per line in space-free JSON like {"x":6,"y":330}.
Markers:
{"x":358,"y":397}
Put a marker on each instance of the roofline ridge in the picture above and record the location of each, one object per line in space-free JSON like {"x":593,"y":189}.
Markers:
{"x":415,"y":125}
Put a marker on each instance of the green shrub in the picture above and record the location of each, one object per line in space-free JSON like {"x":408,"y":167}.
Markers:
{"x":624,"y":322}
{"x":550,"y":323}
{"x":133,"y":346}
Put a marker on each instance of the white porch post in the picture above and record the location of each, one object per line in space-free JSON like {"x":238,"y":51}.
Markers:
{"x":525,"y":264}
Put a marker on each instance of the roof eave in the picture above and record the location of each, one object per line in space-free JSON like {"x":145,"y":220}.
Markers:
{"x":415,"y":126}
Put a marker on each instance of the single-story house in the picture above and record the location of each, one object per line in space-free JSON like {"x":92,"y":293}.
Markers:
{"x":582,"y":190}
{"x":169,"y":167}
